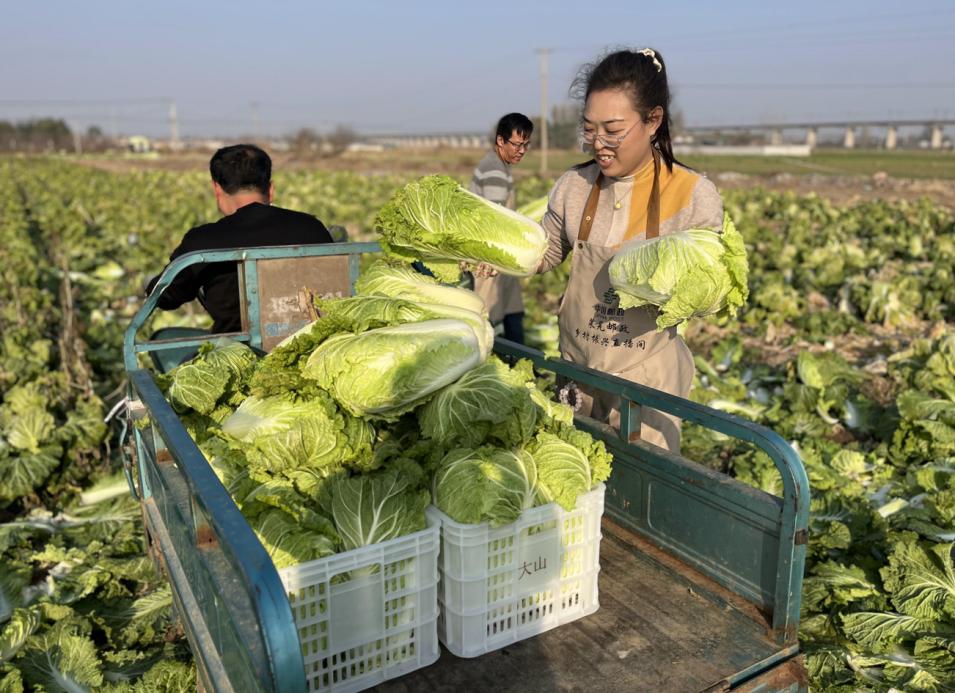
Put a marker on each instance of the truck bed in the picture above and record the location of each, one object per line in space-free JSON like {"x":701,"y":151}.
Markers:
{"x":661,"y":626}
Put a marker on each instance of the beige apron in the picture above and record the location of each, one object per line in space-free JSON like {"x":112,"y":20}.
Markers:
{"x":595,"y":332}
{"x":502,"y":295}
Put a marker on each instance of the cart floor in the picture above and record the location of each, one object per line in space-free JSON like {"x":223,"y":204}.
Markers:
{"x":661,"y":626}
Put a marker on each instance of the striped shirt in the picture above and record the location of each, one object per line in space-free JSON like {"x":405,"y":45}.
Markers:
{"x":492,"y":179}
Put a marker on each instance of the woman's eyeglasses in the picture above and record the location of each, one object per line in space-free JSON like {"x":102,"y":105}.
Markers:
{"x":609,"y":141}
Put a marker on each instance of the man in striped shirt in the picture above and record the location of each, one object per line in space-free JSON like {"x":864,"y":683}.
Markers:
{"x":492,"y":180}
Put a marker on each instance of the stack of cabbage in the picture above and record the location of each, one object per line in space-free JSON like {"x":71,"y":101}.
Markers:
{"x":688,"y":274}
{"x":342,"y":435}
{"x":438,"y":222}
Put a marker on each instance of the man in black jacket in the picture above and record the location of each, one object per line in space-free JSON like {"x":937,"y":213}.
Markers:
{"x":242,"y":183}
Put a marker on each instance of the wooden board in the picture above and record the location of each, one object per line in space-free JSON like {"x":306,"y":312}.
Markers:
{"x":661,"y":626}
{"x":286,"y":286}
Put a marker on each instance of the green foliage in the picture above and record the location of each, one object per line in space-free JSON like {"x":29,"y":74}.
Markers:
{"x":401,"y":281}
{"x":879,"y":589}
{"x":687,"y":274}
{"x":371,"y":508}
{"x":437,"y":221}
{"x":870,"y":282}
{"x":390,"y":370}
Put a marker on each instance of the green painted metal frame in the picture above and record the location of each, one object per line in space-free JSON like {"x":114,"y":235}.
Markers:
{"x":250,"y":277}
{"x":240,"y":620}
{"x":237,"y":570}
{"x":771,"y":575}
{"x":228,"y":594}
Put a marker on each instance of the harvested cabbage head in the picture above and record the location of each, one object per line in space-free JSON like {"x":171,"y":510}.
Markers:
{"x":367,"y":312}
{"x":485,"y":484}
{"x":402,"y":281}
{"x":388,"y":371}
{"x":687,"y":274}
{"x":435,"y":220}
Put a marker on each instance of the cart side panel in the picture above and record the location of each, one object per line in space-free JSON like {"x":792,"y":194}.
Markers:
{"x":723,"y":528}
{"x":197,"y":575}
{"x":223,"y":618}
{"x":211,"y":671}
{"x":747,"y":540}
{"x":171,"y":524}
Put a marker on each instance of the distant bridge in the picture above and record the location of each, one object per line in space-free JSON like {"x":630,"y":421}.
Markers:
{"x":473,"y":140}
{"x":455,"y":140}
{"x":850,"y":127}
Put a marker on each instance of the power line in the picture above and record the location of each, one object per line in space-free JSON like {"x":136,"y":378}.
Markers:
{"x":899,"y":85}
{"x":853,"y":19}
{"x":775,"y":29}
{"x":708,"y":47}
{"x":815,"y":39}
{"x":82,"y":102}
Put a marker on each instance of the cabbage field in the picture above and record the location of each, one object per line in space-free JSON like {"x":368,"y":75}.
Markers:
{"x":846,"y":348}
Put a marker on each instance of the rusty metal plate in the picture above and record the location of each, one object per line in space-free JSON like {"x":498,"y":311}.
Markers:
{"x":787,"y":677}
{"x":286,"y":289}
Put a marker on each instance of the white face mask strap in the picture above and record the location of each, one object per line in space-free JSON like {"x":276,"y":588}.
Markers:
{"x":650,"y":53}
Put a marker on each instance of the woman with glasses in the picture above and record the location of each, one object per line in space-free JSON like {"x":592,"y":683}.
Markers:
{"x":632,"y":188}
{"x":492,"y":180}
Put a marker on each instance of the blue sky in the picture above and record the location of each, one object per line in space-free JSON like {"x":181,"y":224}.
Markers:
{"x":455,"y":67}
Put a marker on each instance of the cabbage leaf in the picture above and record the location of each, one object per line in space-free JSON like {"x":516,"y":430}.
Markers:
{"x":390,"y":370}
{"x":437,"y":221}
{"x":686,"y":274}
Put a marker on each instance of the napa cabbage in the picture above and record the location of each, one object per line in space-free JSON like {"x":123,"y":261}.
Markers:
{"x":568,"y":464}
{"x":486,"y":484}
{"x":201,"y":382}
{"x":437,"y":221}
{"x":368,"y":312}
{"x":371,"y":508}
{"x":402,"y":281}
{"x":687,"y":274}
{"x":491,"y":401}
{"x":390,"y":370}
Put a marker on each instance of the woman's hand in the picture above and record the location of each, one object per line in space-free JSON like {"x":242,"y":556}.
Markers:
{"x":482,"y":269}
{"x":485,"y":270}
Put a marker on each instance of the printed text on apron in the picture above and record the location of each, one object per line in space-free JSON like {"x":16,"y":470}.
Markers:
{"x":594,"y":330}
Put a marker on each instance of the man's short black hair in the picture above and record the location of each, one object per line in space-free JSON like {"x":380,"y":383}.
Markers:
{"x":241,"y":167}
{"x":512,"y":122}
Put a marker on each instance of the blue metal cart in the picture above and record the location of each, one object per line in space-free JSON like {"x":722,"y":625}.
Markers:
{"x":700,"y":574}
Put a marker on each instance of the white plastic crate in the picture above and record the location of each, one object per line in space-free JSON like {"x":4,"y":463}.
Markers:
{"x":367,"y":615}
{"x":502,"y":585}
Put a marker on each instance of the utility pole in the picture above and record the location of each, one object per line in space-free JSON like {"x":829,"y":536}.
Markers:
{"x":173,"y":126}
{"x":254,"y":105}
{"x":77,"y":138}
{"x":543,"y":53}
